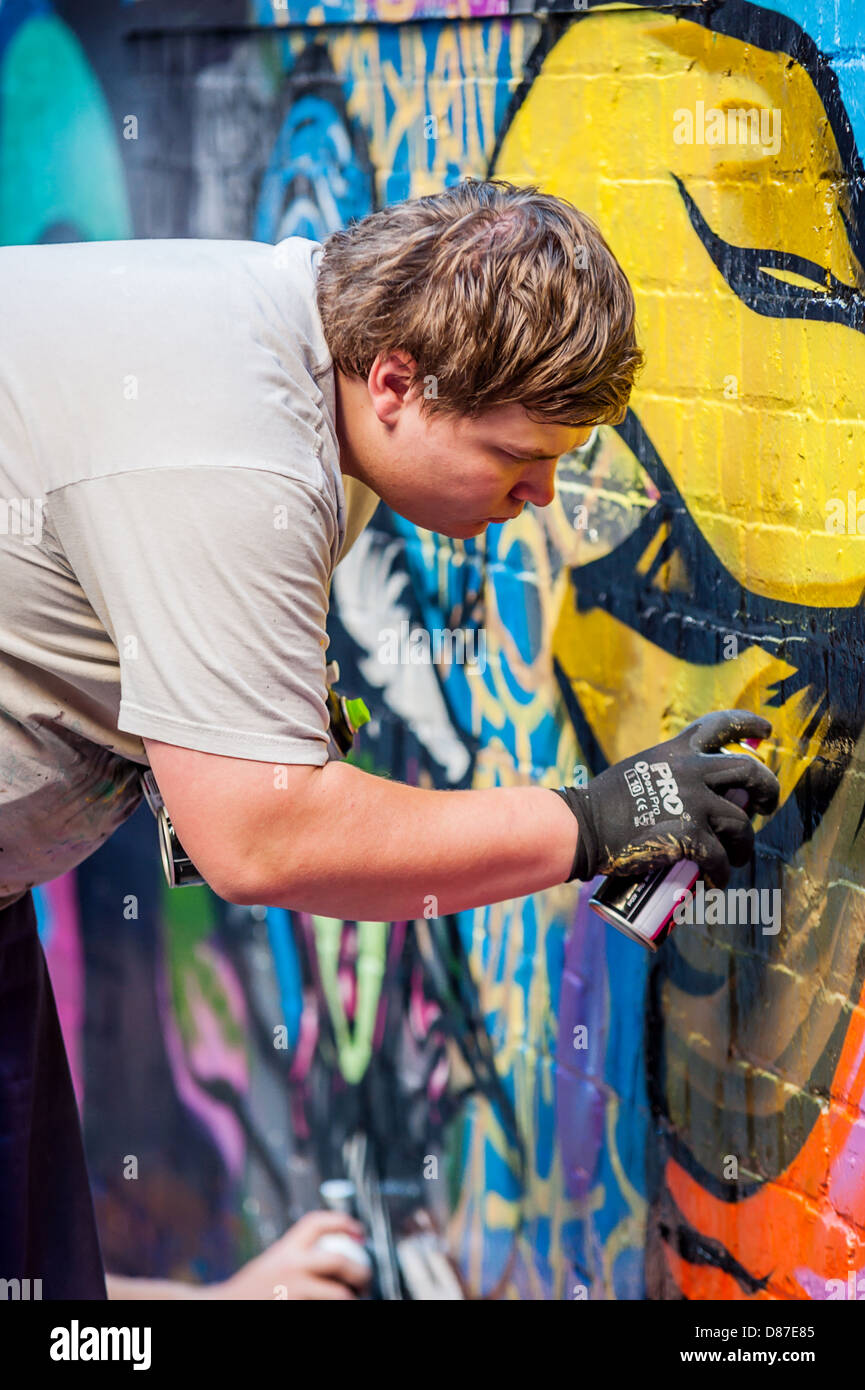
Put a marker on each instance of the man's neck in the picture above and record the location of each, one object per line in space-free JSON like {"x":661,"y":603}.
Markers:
{"x":347,"y":403}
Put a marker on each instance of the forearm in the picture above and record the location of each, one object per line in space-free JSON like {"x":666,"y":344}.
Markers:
{"x":379,"y":850}
{"x":120,"y":1286}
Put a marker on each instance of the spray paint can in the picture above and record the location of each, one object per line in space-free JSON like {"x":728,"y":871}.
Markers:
{"x":642,"y":906}
{"x":339,"y":1194}
{"x":346,"y":716}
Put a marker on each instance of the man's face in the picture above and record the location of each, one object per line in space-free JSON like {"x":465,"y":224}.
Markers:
{"x":453,"y":475}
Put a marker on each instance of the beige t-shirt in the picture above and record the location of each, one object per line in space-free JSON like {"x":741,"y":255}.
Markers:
{"x":171,"y":512}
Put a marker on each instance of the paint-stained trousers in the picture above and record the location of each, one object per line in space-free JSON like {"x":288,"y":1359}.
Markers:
{"x":47,"y":1225}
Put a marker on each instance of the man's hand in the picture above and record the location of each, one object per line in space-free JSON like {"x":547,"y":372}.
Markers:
{"x":668,"y":803}
{"x":293,"y":1268}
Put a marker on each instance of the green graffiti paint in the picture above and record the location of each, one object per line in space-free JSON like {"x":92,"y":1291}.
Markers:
{"x":354,"y":1046}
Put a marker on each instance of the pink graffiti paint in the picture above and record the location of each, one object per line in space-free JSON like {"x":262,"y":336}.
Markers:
{"x":208,"y":1057}
{"x":848,"y":1165}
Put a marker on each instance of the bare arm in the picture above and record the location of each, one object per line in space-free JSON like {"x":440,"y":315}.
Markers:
{"x":341,"y":842}
{"x":295,"y":1266}
{"x":119,"y":1286}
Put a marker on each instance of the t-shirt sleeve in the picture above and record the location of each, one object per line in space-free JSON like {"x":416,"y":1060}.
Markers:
{"x":213,"y":584}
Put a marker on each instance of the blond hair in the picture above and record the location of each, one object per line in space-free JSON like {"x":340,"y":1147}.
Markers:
{"x":500,"y":294}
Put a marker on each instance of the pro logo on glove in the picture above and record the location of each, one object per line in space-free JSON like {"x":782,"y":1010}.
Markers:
{"x":650,"y":799}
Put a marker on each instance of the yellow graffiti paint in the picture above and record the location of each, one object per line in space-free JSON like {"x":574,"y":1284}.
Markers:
{"x":760,"y":411}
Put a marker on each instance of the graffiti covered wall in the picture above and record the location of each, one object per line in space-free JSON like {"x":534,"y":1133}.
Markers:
{"x":608,"y":1124}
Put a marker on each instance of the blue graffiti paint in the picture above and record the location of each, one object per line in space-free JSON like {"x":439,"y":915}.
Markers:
{"x":287,"y":966}
{"x":312,"y":184}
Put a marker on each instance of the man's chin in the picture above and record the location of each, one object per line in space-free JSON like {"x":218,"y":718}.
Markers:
{"x":463,"y":530}
{"x":456,"y":530}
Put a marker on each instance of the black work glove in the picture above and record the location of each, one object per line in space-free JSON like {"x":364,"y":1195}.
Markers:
{"x":668,"y":803}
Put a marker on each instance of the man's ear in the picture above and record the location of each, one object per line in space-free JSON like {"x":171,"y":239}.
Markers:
{"x":389,"y":384}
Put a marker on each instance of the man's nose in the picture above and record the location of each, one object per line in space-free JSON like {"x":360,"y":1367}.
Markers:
{"x":537,"y":486}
